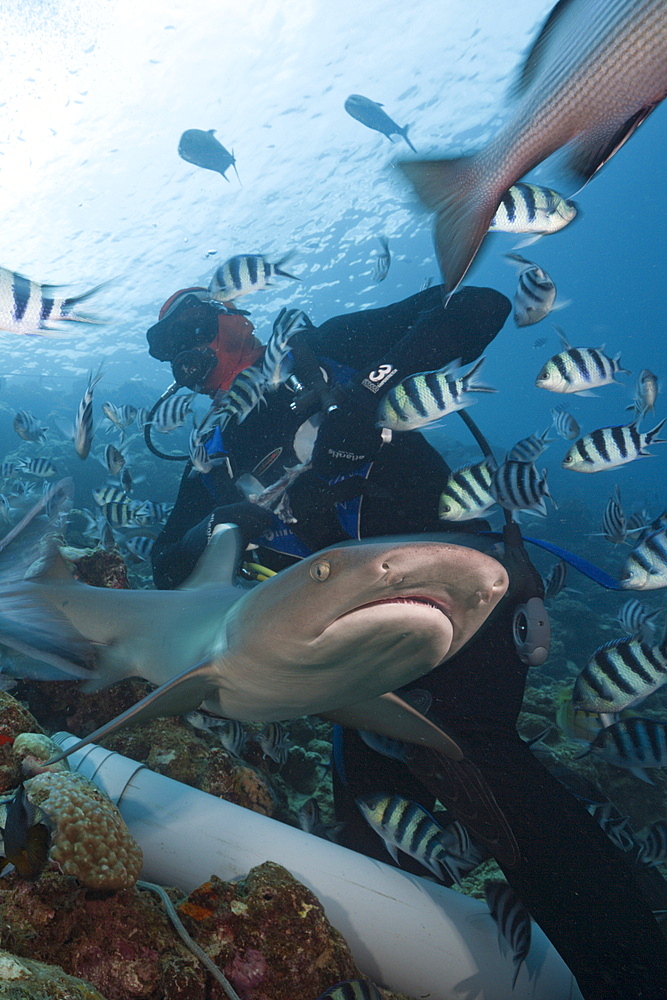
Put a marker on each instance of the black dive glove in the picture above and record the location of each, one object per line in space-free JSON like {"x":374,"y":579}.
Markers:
{"x":251,"y":520}
{"x":347,"y":437}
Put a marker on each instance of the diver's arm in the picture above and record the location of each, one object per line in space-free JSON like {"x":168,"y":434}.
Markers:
{"x":184,"y":536}
{"x":415,"y":335}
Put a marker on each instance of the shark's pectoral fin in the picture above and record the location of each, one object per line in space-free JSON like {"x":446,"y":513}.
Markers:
{"x":181,"y":694}
{"x":390,"y":715}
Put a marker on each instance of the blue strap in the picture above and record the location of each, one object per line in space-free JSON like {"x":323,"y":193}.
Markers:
{"x":588,"y":569}
{"x":337,"y":752}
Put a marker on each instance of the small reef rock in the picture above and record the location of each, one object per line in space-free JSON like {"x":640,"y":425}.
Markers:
{"x":267,"y":933}
{"x":24,"y":979}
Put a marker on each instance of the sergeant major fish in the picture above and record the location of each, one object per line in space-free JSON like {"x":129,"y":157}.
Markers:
{"x":633,"y":743}
{"x":530,"y":208}
{"x":579,"y":369}
{"x":619,"y":675}
{"x":28,"y":307}
{"x":382,"y":261}
{"x":637,"y":620}
{"x":646,"y":566}
{"x":420,"y":399}
{"x":28,"y":427}
{"x":246,"y":273}
{"x":83,"y":424}
{"x":370,"y":114}
{"x":609,"y":447}
{"x":535,"y":296}
{"x":646,"y":393}
{"x":352,"y":989}
{"x":468,"y":492}
{"x":594,"y":73}
{"x":519,"y":486}
{"x":406,"y":826}
{"x":512,"y":919}
{"x":530,"y":448}
{"x":564,"y":423}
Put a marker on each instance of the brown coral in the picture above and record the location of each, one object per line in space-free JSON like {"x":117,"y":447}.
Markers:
{"x":91,"y":840}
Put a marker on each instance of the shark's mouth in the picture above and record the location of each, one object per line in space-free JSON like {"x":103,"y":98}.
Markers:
{"x":428,"y":602}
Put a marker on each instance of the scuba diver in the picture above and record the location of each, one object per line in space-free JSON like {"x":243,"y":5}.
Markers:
{"x":575,"y":882}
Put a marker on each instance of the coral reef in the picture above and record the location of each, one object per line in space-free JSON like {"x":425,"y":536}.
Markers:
{"x":14,"y":720}
{"x":90,"y":840}
{"x":24,"y":979}
{"x":267,"y":933}
{"x":98,"y":567}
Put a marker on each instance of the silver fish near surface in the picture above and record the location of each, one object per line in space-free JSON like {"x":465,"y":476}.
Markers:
{"x":246,"y":273}
{"x":530,"y":448}
{"x":200,"y":147}
{"x":619,"y":675}
{"x":28,"y":307}
{"x":382,"y":261}
{"x":512,"y":919}
{"x":579,"y":369}
{"x":420,"y":399}
{"x":370,"y":114}
{"x":468,"y":492}
{"x":610,"y":447}
{"x":519,"y":486}
{"x":646,"y":566}
{"x":83,"y":424}
{"x":564,"y":423}
{"x":634,"y":744}
{"x":646,"y":392}
{"x":28,"y":427}
{"x":594,"y":73}
{"x":535,"y":296}
{"x":531,"y":208}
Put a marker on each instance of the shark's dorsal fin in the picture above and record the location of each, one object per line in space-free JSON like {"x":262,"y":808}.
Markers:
{"x":391,"y":716}
{"x":219,"y":562}
{"x":182,"y":693}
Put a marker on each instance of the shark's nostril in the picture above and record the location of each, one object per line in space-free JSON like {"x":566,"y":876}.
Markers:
{"x":385,"y":566}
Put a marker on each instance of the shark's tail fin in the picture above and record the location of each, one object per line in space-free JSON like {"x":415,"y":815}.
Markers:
{"x":464,"y":205}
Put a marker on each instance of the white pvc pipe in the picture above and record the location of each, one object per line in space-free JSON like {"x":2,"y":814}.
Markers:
{"x":405,"y":932}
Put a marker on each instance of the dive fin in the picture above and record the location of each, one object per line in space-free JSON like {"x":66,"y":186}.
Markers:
{"x":452,"y":189}
{"x":460,"y":787}
{"x":182,"y":693}
{"x":404,"y":132}
{"x":389,"y":715}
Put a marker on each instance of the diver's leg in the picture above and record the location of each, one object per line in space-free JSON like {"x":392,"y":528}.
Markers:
{"x":576,"y":884}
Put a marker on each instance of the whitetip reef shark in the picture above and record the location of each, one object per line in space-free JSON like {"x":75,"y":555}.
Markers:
{"x":332,"y":635}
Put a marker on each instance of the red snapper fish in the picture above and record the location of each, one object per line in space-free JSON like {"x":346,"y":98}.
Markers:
{"x":594,"y":73}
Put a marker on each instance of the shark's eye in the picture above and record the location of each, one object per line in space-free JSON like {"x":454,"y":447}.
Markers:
{"x":320,"y":570}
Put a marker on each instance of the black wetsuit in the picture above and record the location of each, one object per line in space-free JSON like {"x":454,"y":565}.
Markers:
{"x":570,"y":876}
{"x":402,"y":488}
